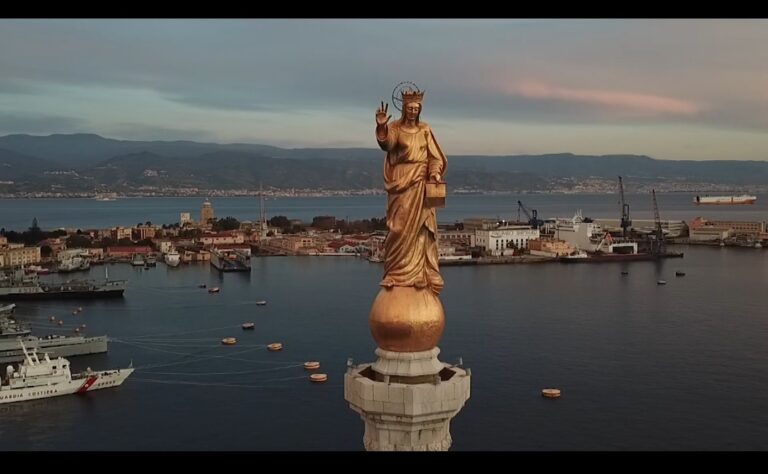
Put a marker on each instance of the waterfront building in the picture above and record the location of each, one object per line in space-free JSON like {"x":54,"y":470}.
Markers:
{"x":500,"y":241}
{"x":18,"y":255}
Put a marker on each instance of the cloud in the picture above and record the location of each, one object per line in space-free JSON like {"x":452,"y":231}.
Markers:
{"x":630,"y":103}
{"x":34,"y":123}
{"x":140,"y":131}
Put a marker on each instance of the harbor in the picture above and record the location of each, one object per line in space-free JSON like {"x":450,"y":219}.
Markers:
{"x":597,"y":320}
{"x":172,"y":326}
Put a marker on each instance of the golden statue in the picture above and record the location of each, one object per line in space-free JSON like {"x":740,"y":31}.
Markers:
{"x":407,"y":316}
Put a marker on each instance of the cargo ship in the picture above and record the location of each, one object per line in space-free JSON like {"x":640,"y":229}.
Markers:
{"x":725,"y":200}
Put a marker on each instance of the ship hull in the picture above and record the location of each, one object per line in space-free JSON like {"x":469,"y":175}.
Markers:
{"x":726,"y":203}
{"x":58,"y":295}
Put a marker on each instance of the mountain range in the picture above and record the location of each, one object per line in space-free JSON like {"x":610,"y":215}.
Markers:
{"x":88,"y":162}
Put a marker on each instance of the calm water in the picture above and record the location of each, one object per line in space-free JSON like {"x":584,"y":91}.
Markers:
{"x":641,"y":366}
{"x":17,"y":214}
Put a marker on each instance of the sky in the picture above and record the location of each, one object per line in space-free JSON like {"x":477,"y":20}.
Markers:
{"x":669,"y":89}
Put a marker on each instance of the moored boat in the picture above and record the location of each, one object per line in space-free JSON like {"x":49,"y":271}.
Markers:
{"x":18,"y":286}
{"x":34,"y":379}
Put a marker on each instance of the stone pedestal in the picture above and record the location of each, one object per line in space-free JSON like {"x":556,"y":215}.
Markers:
{"x":407,"y":400}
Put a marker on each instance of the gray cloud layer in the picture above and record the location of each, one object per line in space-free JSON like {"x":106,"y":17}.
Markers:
{"x":581,"y":71}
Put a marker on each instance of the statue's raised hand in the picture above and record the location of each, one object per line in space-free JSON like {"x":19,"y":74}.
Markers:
{"x":381,"y":114}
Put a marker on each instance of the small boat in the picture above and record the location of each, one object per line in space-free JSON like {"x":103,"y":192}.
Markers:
{"x":275,"y":346}
{"x":680,"y":274}
{"x":261,"y":303}
{"x":661,"y":282}
{"x":215,"y":289}
{"x":229,"y":341}
{"x":311,"y":365}
{"x":625,"y":272}
{"x":249,"y":326}
{"x":202,"y":285}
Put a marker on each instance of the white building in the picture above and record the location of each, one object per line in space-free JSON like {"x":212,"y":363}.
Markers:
{"x":498,"y":241}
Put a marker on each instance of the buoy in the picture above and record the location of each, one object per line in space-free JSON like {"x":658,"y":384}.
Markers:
{"x":275,"y":346}
{"x":311,"y":365}
{"x":550,"y":392}
{"x":249,"y":325}
{"x":229,"y":341}
{"x":318,"y":378}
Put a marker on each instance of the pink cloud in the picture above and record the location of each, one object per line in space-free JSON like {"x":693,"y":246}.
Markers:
{"x":636,"y":104}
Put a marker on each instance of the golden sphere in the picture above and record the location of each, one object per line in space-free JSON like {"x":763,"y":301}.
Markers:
{"x":406,"y":319}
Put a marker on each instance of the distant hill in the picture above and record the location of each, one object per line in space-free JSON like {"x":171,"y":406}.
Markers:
{"x":17,"y":166}
{"x":610,"y":166}
{"x":40,"y":162}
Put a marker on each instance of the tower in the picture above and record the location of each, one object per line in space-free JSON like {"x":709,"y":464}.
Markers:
{"x":206,"y":212}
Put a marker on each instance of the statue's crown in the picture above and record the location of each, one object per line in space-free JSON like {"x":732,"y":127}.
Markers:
{"x":410,"y":95}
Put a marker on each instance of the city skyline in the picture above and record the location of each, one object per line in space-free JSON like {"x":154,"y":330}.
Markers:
{"x":669,"y":89}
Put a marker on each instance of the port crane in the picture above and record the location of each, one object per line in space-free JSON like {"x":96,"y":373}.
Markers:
{"x":626,"y":223}
{"x":658,"y":243}
{"x":532,"y":215}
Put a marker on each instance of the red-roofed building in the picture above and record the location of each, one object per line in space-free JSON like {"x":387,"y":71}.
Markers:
{"x":127,"y":251}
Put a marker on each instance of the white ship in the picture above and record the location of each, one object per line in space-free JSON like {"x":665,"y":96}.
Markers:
{"x":35,"y":379}
{"x":172,"y":258}
{"x":725,"y":200}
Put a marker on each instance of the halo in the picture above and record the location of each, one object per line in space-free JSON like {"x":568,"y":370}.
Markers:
{"x":397,"y":97}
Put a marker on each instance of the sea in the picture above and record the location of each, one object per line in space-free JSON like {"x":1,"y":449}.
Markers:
{"x":641,"y":366}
